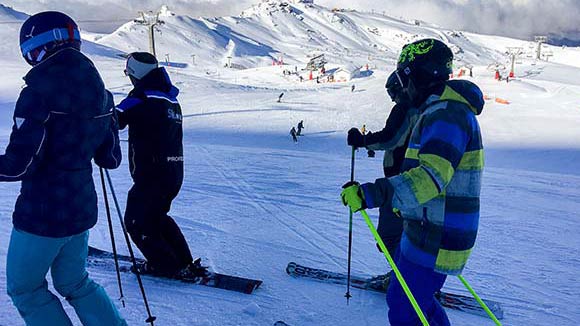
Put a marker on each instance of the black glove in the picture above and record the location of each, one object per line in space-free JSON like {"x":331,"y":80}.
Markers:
{"x":355,"y":138}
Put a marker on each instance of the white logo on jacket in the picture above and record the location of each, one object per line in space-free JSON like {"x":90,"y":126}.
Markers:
{"x":19,"y":122}
{"x":175,"y":159}
{"x":173,"y":115}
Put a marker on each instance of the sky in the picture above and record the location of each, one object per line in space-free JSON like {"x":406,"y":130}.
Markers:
{"x":516,"y":18}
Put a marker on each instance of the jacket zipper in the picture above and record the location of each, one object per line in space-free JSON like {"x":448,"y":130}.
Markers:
{"x":424,"y":227}
{"x":133,"y":160}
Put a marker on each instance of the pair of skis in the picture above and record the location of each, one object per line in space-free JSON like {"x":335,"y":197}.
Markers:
{"x":380,"y":283}
{"x":98,"y":257}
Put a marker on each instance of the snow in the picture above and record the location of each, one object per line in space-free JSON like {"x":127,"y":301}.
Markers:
{"x":253,"y":200}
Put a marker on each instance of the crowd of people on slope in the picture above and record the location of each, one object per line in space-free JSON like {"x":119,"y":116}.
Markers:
{"x":64,"y":118}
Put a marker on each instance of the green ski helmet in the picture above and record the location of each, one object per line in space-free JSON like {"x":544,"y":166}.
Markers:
{"x":425,"y":61}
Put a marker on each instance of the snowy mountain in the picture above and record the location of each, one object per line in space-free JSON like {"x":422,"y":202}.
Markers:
{"x":10,"y":29}
{"x":252,"y":200}
{"x":290,"y":30}
{"x":296,"y":31}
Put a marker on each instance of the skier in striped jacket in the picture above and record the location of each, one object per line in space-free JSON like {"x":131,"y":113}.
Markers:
{"x":437,"y":194}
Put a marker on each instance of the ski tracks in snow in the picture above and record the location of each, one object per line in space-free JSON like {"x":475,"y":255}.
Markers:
{"x":268,"y":207}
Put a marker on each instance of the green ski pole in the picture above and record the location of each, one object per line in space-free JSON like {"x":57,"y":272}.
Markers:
{"x":481,"y":303}
{"x":395,"y":269}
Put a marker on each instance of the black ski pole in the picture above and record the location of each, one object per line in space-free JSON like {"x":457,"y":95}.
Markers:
{"x":347,"y":295}
{"x":110,"y":221}
{"x":150,"y":319}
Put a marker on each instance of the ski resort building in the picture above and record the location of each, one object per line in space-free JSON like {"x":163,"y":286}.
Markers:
{"x":346,"y":73}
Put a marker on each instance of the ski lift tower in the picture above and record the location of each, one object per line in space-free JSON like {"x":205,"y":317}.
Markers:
{"x":540,"y":40}
{"x":514,"y":52}
{"x":151,"y":20}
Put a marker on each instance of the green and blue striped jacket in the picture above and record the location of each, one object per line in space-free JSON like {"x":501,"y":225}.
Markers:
{"x":438,"y":192}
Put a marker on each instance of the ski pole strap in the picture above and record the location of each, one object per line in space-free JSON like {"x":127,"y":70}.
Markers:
{"x":481,"y":303}
{"x":395,"y":269}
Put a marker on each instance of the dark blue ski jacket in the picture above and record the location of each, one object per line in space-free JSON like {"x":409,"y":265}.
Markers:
{"x":64,"y":118}
{"x":154,"y":117}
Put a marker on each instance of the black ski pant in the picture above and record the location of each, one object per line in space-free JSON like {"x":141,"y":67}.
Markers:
{"x":390,"y":228}
{"x":154,"y":232}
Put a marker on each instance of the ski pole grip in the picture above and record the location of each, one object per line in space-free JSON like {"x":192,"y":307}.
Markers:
{"x":395,"y":269}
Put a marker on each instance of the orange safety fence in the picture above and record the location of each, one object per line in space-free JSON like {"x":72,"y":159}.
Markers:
{"x":501,"y":101}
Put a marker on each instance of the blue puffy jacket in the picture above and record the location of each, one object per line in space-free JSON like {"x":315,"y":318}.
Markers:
{"x":63,"y":119}
{"x":438,"y":192}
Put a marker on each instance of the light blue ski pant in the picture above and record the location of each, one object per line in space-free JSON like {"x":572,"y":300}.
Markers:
{"x":29,"y":259}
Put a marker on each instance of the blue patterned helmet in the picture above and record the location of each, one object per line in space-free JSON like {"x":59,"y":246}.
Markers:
{"x":45,"y":33}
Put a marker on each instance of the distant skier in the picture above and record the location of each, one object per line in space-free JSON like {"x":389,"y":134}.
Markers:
{"x":153,"y":114}
{"x":394,"y":140}
{"x":294,"y":134}
{"x":280,"y":97}
{"x":63,"y":119}
{"x":352,"y":88}
{"x":438,"y":194}
{"x":300,"y":127}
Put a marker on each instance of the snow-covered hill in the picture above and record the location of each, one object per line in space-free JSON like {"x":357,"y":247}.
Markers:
{"x":294,"y":31}
{"x":10,"y":32}
{"x":253,"y":200}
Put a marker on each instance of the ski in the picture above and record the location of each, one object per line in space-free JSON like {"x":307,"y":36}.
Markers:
{"x":380,"y":283}
{"x":280,"y":323}
{"x":98,"y":257}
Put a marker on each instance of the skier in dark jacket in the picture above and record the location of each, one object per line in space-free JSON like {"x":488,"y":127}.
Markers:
{"x":393,"y":139}
{"x":300,"y":127}
{"x":438,"y":192}
{"x":63,"y":119}
{"x":154,"y":117}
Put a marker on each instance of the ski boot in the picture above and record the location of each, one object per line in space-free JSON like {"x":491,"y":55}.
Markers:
{"x":193,"y":271}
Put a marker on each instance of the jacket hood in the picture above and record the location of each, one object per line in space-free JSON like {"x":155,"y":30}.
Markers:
{"x":70,"y":84}
{"x":157,"y":80}
{"x":465,"y":92}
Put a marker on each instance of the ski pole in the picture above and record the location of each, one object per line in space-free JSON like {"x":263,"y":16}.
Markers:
{"x":481,"y":303}
{"x":395,"y":269}
{"x":110,"y":221}
{"x":150,"y":319}
{"x":347,"y":294}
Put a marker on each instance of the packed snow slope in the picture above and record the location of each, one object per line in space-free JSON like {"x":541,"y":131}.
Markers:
{"x":252,"y":200}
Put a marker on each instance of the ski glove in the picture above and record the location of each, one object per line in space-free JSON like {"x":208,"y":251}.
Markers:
{"x":355,"y":138}
{"x":353,"y":196}
{"x":378,"y":194}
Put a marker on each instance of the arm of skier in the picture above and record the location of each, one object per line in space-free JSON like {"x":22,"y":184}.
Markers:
{"x":25,"y":148}
{"x":127,"y":109}
{"x":108,"y":155}
{"x":394,"y":134}
{"x":442,"y":145}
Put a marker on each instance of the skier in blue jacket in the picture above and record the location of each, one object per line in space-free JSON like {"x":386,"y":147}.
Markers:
{"x":437,"y":193}
{"x":153,"y":115}
{"x":63,"y":119}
